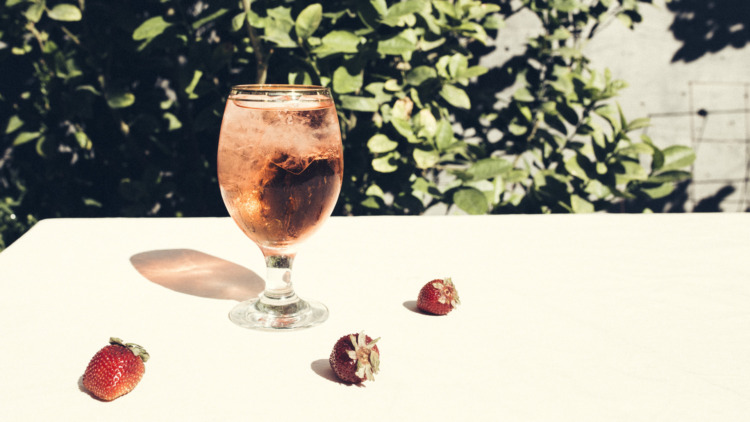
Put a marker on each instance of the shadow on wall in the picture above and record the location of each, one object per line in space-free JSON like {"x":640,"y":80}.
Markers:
{"x":713,"y":202}
{"x":677,"y":201}
{"x":707,"y":26}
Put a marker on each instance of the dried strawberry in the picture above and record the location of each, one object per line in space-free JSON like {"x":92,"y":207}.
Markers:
{"x":355,"y":358}
{"x":115,"y":369}
{"x":438,"y":297}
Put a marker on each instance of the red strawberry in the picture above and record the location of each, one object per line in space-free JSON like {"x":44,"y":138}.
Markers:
{"x":355,"y":358}
{"x":115,"y":369}
{"x":438,"y":297}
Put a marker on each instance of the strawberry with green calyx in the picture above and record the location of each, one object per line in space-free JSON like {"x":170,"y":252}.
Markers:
{"x":438,"y":297}
{"x":355,"y":358}
{"x":115,"y":370}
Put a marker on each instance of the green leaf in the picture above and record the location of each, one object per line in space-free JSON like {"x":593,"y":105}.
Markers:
{"x":481,"y":10}
{"x":202,"y":21}
{"x":344,"y":82}
{"x":658,"y":156}
{"x":42,"y":147}
{"x":429,"y":45}
{"x":455,"y":96}
{"x":83,"y":140}
{"x":597,"y":189}
{"x":387,"y":163}
{"x":377,"y":89}
{"x":35,"y":11}
{"x":300,"y":77}
{"x":375,"y":190}
{"x":336,"y":42}
{"x":308,"y":21}
{"x":659,"y":191}
{"x":255,"y":20}
{"x":404,"y":128}
{"x":639,"y":123}
{"x":88,"y":88}
{"x":446,"y":7}
{"x":444,"y":135}
{"x":172,"y":121}
{"x":625,"y":19}
{"x":25,"y":137}
{"x":420,"y":74}
{"x":90,"y":202}
{"x":65,"y":13}
{"x":574,"y":168}
{"x":525,"y":112}
{"x":121,"y":100}
{"x":402,"y":9}
{"x":380,"y":143}
{"x":611,"y":114}
{"x":356,"y":103}
{"x":670,"y":177}
{"x":190,"y":89}
{"x":559,"y":34}
{"x":472,"y":72}
{"x":425,"y":158}
{"x":400,"y":44}
{"x":423,"y":185}
{"x":630,"y":170}
{"x":14,"y":123}
{"x":283,"y":15}
{"x":392,"y":85}
{"x":402,"y":108}
{"x":488,"y":168}
{"x":517,"y":129}
{"x":371,"y":12}
{"x":151,"y":28}
{"x":373,"y":202}
{"x":637,"y":149}
{"x":471,"y":200}
{"x":580,"y":205}
{"x":457,"y":64}
{"x":425,"y":123}
{"x":238,"y":21}
{"x":523,"y":95}
{"x":494,"y":22}
{"x":277,"y":31}
{"x":599,"y":138}
{"x":566,"y":5}
{"x":677,"y":157}
{"x":380,"y":6}
{"x":474,"y":31}
{"x":516,"y":176}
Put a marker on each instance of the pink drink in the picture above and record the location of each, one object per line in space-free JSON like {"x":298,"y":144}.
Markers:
{"x":280,"y":167}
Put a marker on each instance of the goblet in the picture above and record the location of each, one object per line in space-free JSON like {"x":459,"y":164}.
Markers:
{"x":280,"y":167}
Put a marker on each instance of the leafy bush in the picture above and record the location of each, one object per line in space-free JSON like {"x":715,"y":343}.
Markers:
{"x":113,"y":108}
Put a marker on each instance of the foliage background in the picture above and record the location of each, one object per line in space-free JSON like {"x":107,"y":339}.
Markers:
{"x":113,"y":108}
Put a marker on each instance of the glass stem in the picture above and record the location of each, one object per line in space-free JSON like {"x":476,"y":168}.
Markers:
{"x":279,"y":289}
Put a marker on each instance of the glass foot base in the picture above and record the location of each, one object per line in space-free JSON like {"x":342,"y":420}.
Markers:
{"x":257,"y":315}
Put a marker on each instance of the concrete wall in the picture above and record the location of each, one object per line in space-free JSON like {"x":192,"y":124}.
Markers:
{"x":688,"y":69}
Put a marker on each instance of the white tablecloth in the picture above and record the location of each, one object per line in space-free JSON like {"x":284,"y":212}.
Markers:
{"x":563,"y":318}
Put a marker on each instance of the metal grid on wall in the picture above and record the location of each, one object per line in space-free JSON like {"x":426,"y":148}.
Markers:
{"x":717,"y":127}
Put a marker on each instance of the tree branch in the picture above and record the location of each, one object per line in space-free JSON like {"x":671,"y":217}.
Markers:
{"x":261,"y":59}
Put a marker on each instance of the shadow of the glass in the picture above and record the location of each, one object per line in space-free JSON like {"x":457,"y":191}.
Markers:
{"x":198,"y":274}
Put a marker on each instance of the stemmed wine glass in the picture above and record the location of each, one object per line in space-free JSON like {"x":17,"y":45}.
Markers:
{"x":280,"y":167}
